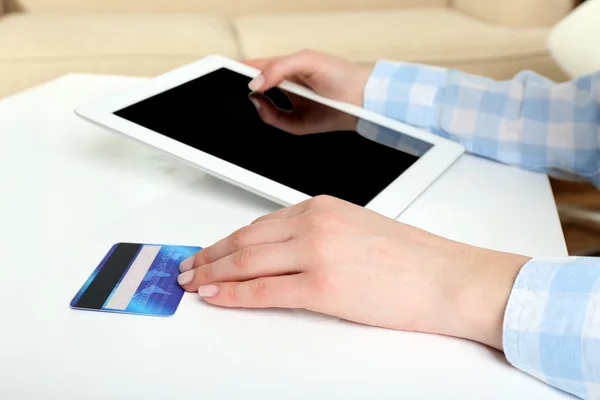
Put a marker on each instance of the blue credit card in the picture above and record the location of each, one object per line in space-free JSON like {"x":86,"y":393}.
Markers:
{"x":135,"y":278}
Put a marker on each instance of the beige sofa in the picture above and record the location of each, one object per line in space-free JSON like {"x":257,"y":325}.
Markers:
{"x":44,"y":39}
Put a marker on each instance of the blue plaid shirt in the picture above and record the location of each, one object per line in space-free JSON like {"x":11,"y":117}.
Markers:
{"x":552,"y":319}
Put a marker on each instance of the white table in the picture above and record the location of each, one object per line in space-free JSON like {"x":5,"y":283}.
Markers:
{"x":70,"y":190}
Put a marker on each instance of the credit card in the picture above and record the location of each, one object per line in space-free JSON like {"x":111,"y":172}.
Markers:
{"x":135,"y":278}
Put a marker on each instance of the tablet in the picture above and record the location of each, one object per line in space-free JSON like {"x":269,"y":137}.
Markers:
{"x":295,"y":145}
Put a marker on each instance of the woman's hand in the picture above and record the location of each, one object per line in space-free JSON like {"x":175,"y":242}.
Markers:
{"x":330,"y":256}
{"x":329,"y":76}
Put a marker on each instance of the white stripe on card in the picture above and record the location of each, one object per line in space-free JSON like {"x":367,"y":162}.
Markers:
{"x":138,"y":269}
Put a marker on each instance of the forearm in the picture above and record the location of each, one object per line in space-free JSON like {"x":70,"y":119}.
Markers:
{"x":528,"y":121}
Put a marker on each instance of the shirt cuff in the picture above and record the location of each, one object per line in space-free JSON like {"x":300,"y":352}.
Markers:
{"x":552,"y":321}
{"x":404,"y":91}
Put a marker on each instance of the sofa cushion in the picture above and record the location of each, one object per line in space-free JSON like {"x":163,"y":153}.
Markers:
{"x":36,"y":48}
{"x":432,"y":35}
{"x":39,"y":37}
{"x":516,"y":13}
{"x":19,"y":75}
{"x":222,"y":8}
{"x":219,"y":7}
{"x":243,"y":7}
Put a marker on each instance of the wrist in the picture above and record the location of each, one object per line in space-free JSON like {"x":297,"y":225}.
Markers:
{"x":481,"y":302}
{"x":360,"y":82}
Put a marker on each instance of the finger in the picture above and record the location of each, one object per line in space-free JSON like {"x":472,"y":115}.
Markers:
{"x":274,"y":231}
{"x":289,"y":291}
{"x":298,"y":101}
{"x":251,"y":262}
{"x":271,"y":115}
{"x":300,"y":65}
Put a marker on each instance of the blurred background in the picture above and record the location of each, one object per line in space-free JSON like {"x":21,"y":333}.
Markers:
{"x":43,"y":39}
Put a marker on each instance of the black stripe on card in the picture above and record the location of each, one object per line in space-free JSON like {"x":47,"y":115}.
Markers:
{"x":103,"y":284}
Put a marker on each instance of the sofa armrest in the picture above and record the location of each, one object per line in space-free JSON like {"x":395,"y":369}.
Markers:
{"x":573,"y":42}
{"x":516,"y":13}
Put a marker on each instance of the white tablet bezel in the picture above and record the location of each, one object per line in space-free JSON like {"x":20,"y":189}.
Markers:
{"x":390,"y":202}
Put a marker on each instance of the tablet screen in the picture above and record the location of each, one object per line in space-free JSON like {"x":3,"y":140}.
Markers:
{"x":296,"y":142}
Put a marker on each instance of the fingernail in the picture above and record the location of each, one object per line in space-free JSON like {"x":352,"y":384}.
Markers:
{"x":208,"y":290}
{"x":255,"y":102}
{"x":185,"y":278}
{"x":256,"y":83}
{"x":187,"y":264}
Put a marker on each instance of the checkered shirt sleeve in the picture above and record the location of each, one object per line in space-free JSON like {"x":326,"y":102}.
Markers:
{"x":552,"y":320}
{"x":527,"y":121}
{"x":552,"y":323}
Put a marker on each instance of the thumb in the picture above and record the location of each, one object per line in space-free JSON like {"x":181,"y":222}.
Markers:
{"x":271,"y":115}
{"x":295,"y":67}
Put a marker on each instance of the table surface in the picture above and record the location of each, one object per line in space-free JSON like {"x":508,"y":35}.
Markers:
{"x":70,"y":190}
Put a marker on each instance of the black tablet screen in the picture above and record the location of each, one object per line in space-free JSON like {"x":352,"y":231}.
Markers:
{"x":299,"y":143}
